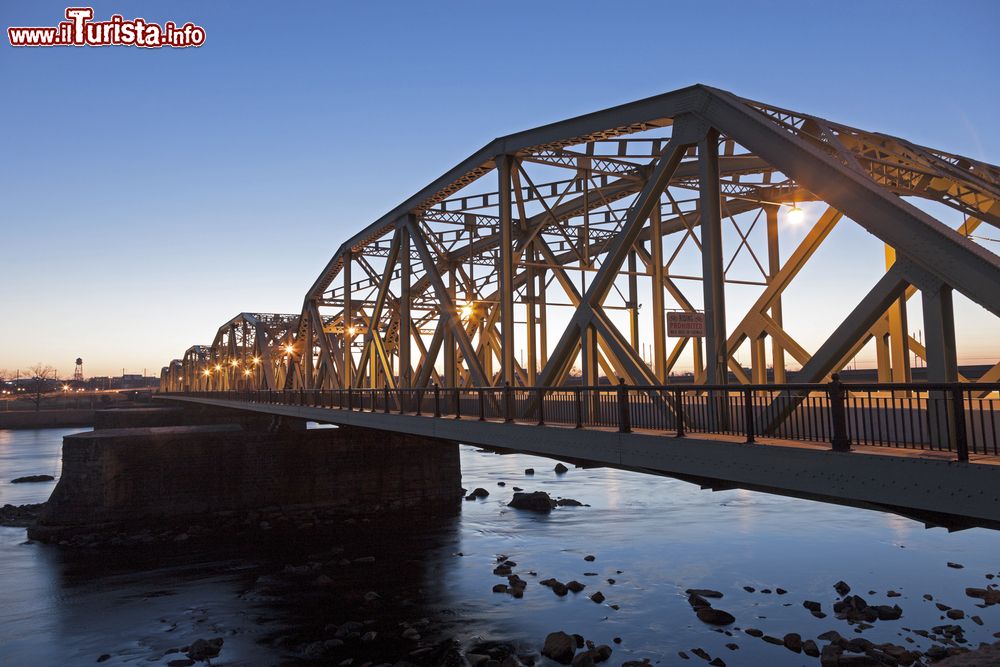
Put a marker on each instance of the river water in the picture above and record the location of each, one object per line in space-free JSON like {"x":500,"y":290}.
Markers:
{"x":654,"y":537}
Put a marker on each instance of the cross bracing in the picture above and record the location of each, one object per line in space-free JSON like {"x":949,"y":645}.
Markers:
{"x":530,"y":261}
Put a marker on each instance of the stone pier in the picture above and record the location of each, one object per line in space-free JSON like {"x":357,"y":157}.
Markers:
{"x":132,"y":476}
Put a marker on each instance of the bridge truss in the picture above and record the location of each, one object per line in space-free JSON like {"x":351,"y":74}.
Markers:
{"x":530,"y":262}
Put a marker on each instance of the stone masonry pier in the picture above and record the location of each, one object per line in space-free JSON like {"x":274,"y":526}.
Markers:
{"x":130,"y":476}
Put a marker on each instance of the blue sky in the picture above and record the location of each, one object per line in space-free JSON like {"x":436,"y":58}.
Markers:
{"x":146,"y":196}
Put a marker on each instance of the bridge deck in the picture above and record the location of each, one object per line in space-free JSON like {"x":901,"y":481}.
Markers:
{"x":923,"y":484}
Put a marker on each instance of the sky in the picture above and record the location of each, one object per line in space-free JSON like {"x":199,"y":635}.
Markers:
{"x":149,"y":195}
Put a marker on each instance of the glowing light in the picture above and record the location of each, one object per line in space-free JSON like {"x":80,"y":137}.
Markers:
{"x":350,"y":331}
{"x":256,"y":360}
{"x":795,"y":214}
{"x":65,"y":387}
{"x":466,"y":311}
{"x":289,"y":348}
{"x":247,"y":372}
{"x":206,"y":372}
{"x":218,"y":367}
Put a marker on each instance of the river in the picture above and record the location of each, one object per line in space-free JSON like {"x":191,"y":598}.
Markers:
{"x":653,"y":537}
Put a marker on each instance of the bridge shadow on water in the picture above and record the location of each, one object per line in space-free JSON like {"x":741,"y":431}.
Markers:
{"x":299,"y":594}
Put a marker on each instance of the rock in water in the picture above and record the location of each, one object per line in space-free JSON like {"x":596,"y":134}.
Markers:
{"x":537,"y":501}
{"x":704,"y":592}
{"x":715,"y":616}
{"x":205,"y":649}
{"x":560,"y":647}
{"x":560,"y":469}
{"x":841,"y":588}
{"x":32,"y":478}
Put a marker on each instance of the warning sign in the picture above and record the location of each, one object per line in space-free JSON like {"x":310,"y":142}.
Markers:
{"x":683,"y":324}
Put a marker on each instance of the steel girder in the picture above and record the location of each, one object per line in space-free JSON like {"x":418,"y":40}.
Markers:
{"x":543,"y":268}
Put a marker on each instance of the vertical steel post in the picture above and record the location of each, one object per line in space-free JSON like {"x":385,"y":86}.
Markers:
{"x":748,"y":414}
{"x":679,"y":411}
{"x":347,"y":337}
{"x":506,"y":270}
{"x":961,"y":436}
{"x":773,"y":267}
{"x":578,"y":405}
{"x":624,"y":411}
{"x":437,"y":400}
{"x":659,"y":332}
{"x":540,"y":397}
{"x":507,"y":413}
{"x":838,"y":415}
{"x":405,"y":278}
{"x":633,"y":300}
{"x":716,"y":354}
{"x":942,"y":362}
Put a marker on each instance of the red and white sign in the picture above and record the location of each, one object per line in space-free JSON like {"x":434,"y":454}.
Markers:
{"x":683,"y":324}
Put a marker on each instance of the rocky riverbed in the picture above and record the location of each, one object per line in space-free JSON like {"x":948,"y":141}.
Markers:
{"x":588,"y":567}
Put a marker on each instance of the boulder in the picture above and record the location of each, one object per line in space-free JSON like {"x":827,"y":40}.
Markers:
{"x":536,"y":501}
{"x":560,"y":469}
{"x":714,"y":616}
{"x":203,"y":650}
{"x":560,"y":647}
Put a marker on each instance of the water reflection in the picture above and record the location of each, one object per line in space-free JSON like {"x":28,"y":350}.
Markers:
{"x":653,"y":536}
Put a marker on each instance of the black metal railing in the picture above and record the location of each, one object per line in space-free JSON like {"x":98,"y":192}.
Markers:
{"x":961,"y":418}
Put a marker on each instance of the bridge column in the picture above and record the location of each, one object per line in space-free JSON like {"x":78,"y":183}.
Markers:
{"x":942,"y":362}
{"x":659,"y":332}
{"x":531,"y":308}
{"x":348,"y":373}
{"x":450,"y":353}
{"x":716,"y":354}
{"x":633,"y":301}
{"x":773,"y":267}
{"x":405,"y":278}
{"x":899,"y":335}
{"x":505,"y":271}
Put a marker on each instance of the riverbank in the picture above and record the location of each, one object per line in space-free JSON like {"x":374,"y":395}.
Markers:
{"x":32,"y":419}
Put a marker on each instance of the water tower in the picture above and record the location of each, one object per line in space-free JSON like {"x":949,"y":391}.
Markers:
{"x":78,"y":371}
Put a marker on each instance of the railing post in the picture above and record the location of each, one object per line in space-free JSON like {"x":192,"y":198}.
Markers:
{"x":624,"y":415}
{"x":838,"y":415}
{"x":578,"y":406}
{"x":420,"y":401}
{"x":437,"y":400}
{"x":679,"y":410}
{"x":961,"y":436}
{"x":541,"y":406}
{"x":350,"y":397}
{"x":385,"y":398}
{"x":458,"y":403}
{"x":748,"y":414}
{"x":482,"y":405}
{"x":507,"y":417}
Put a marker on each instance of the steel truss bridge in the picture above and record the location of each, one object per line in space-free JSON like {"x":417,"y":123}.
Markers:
{"x":550,"y":259}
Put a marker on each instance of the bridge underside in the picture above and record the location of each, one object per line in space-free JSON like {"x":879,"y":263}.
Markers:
{"x":568,"y":252}
{"x":931,"y":489}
